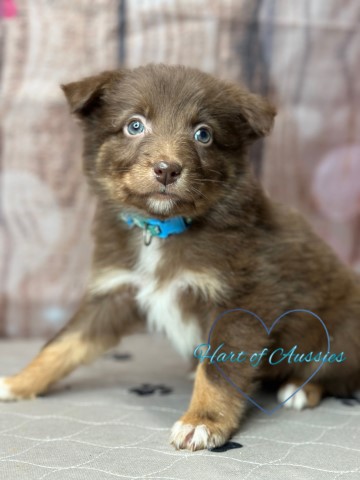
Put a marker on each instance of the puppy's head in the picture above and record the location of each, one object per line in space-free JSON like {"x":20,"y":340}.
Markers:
{"x":166,"y":140}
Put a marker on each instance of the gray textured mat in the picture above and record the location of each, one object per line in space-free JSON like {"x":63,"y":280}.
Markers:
{"x":91,"y":427}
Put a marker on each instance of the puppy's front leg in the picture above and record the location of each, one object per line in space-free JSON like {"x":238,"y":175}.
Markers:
{"x":213,"y":415}
{"x":97,"y":326}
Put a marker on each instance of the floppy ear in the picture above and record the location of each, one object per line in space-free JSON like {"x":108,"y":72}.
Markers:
{"x":86,"y":95}
{"x":255,"y":112}
{"x":259,"y":113}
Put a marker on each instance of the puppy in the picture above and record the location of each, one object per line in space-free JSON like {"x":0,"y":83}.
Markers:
{"x":183,"y":233}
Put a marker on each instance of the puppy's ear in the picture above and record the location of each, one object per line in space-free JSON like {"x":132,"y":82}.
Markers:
{"x":86,"y":95}
{"x":255,"y":112}
{"x":259,"y":113}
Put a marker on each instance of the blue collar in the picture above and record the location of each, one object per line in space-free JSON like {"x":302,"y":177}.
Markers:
{"x":154,"y":227}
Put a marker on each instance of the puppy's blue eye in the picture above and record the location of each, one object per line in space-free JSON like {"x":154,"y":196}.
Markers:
{"x":203,"y":135}
{"x":136,"y":127}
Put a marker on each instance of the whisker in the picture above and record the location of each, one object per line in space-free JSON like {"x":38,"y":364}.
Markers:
{"x":198,"y":180}
{"x":190,"y":193}
{"x":214,"y":171}
{"x":195,"y":190}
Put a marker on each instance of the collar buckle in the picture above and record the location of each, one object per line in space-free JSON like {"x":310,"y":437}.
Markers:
{"x":147,"y":236}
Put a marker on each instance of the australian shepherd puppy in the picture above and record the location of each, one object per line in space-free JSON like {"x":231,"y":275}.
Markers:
{"x":183,"y":233}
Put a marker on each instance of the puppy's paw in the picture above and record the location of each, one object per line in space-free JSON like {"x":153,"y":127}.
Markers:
{"x":7,"y":394}
{"x":298,"y":401}
{"x":197,"y":435}
{"x":308,"y":397}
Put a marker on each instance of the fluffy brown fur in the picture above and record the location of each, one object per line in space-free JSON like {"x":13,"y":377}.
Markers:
{"x":241,"y":249}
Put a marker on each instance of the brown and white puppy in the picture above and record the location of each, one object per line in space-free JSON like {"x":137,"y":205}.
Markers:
{"x":169,"y":141}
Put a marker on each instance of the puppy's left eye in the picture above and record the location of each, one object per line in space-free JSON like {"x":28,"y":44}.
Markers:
{"x":136,"y":126}
{"x":203,"y":135}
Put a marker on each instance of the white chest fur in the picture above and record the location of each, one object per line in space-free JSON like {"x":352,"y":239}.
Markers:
{"x":160,"y":303}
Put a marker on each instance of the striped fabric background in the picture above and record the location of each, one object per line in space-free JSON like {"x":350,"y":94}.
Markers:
{"x":303,"y":54}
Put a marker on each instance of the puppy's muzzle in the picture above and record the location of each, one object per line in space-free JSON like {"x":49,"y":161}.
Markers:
{"x":167,"y":172}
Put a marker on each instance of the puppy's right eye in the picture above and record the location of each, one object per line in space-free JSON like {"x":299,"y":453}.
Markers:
{"x":136,"y":127}
{"x":203,"y":135}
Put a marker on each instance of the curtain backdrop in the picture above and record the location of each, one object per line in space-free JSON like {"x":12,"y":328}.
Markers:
{"x":304,"y":55}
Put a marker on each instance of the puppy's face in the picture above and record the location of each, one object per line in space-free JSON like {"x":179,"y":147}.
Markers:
{"x":165,"y":140}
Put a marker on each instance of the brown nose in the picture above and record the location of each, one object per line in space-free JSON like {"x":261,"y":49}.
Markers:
{"x":167,"y":173}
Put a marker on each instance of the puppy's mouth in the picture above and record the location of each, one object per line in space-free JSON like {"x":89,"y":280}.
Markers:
{"x":164,"y":195}
{"x":164,"y":202}
{"x":165,"y":189}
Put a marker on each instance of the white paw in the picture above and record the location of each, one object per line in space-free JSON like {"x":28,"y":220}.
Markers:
{"x":5,"y":392}
{"x":194,"y":437}
{"x":298,"y":401}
